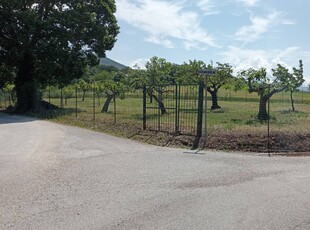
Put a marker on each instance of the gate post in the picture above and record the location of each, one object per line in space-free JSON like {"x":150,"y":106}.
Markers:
{"x":144,"y":107}
{"x":199,"y":115}
{"x":177,"y":111}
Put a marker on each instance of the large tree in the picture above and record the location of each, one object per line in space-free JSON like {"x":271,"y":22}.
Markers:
{"x":112,"y":83}
{"x":223,"y":75}
{"x":158,"y":74}
{"x":266,"y":87}
{"x":49,"y":41}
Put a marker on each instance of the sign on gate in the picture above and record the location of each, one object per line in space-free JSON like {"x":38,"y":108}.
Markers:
{"x":207,"y":71}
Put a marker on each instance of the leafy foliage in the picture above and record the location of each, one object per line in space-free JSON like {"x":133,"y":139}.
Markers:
{"x":282,"y":79}
{"x":223,"y":76}
{"x":52,"y":41}
{"x":295,"y":81}
{"x":188,"y":73}
{"x":158,"y":73}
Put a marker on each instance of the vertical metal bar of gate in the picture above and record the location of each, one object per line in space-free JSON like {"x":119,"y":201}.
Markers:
{"x":76,"y":101}
{"x":199,"y":115}
{"x":144,"y":107}
{"x":179,"y":106}
{"x":176,"y":109}
{"x":158,"y":113}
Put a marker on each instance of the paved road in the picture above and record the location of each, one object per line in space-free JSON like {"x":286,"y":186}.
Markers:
{"x":59,"y":177}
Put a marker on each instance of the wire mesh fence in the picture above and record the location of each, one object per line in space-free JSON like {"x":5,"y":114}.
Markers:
{"x":234,"y":126}
{"x":88,"y":105}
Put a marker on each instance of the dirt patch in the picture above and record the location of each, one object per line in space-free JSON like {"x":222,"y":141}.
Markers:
{"x":234,"y":140}
{"x":278,"y":142}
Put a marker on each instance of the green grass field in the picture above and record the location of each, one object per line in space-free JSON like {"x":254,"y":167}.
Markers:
{"x":233,"y":127}
{"x":239,"y":110}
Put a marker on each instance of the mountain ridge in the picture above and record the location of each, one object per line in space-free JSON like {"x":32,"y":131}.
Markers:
{"x":109,"y":62}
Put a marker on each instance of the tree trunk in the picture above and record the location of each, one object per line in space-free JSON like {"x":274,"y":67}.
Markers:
{"x":12,"y":97}
{"x":214,"y":100}
{"x":161,"y":104}
{"x":292,"y":101}
{"x":26,"y":90}
{"x":105,"y":107}
{"x":262,"y":114}
{"x":83,"y":96}
{"x":151,"y":96}
{"x":98,"y":96}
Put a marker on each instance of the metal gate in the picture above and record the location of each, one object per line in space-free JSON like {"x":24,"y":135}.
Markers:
{"x":174,"y":108}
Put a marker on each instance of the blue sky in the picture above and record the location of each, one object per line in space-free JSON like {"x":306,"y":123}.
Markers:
{"x":244,"y":33}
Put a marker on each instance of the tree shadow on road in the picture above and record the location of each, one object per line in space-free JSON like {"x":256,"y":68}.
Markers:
{"x":7,"y":118}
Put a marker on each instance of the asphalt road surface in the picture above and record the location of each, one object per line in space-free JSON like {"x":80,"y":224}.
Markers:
{"x":59,"y":177}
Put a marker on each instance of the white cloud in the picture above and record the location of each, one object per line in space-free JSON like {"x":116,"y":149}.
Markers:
{"x":207,"y":6}
{"x":160,"y":40}
{"x":288,"y":22}
{"x":246,"y":58}
{"x":249,"y":3}
{"x":163,"y":21}
{"x":139,"y":63}
{"x":259,"y":26}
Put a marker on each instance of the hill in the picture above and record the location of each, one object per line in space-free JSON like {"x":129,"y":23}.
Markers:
{"x":110,"y":62}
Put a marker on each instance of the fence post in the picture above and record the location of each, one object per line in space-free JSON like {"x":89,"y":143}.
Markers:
{"x":1,"y":95}
{"x":76,"y":101}
{"x":49,"y":96}
{"x":4,"y":97}
{"x":177,"y":131}
{"x":158,"y":113}
{"x":199,"y":115}
{"x":144,"y":107}
{"x":94,"y":102}
{"x":61,"y":98}
{"x":268,"y":124}
{"x":114,"y":104}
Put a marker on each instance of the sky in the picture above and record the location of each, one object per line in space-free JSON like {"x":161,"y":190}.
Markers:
{"x":243,"y":33}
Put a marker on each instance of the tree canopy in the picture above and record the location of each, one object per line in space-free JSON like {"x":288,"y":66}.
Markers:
{"x":45,"y":42}
{"x":259,"y":82}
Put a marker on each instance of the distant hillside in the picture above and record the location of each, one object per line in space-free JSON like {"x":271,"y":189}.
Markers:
{"x":110,"y":62}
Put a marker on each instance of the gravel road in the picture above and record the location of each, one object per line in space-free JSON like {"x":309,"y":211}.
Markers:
{"x":59,"y":177}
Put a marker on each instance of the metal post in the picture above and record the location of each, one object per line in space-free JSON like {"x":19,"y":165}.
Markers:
{"x":94,"y":102}
{"x":4,"y":97}
{"x":114,"y":100}
{"x":144,"y":108}
{"x":61,"y":98}
{"x":268,"y":122}
{"x":49,"y":95}
{"x":206,"y":109}
{"x":9,"y":99}
{"x":176,"y":109}
{"x":159,"y":114}
{"x":179,"y":105}
{"x":206,"y":72}
{"x":76,"y":101}
{"x":199,"y":115}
